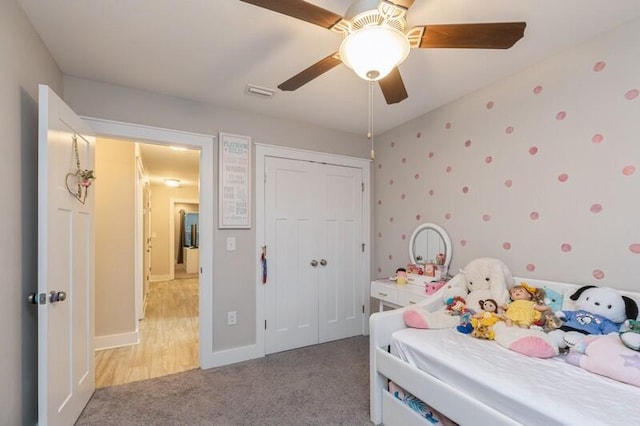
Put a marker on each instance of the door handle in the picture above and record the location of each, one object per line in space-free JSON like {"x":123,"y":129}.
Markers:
{"x":314,"y":263}
{"x":57,"y":296}
{"x":323,"y":262}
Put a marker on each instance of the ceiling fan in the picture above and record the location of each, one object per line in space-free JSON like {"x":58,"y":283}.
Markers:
{"x":377,"y":40}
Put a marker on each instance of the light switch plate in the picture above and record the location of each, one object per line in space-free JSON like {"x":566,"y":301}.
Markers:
{"x":231,"y":243}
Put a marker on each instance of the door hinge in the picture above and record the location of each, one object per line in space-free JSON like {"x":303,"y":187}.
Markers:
{"x":363,"y":309}
{"x":363,"y":247}
{"x":265,"y":324}
{"x":265,"y":177}
{"x":362,"y":186}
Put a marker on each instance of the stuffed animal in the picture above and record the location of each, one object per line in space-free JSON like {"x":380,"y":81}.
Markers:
{"x":630,"y":334}
{"x":482,"y":278}
{"x":553,"y":299}
{"x":599,"y":310}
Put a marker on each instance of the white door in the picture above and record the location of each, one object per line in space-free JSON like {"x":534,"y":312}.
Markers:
{"x":291,"y":294}
{"x":314,"y":237}
{"x":340,"y":252}
{"x":65,"y":264}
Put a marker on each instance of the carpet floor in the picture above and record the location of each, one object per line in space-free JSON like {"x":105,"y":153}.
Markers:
{"x":326,"y":384}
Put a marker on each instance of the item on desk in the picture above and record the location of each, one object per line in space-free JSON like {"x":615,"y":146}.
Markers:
{"x":440,"y":259}
{"x":413,"y":268}
{"x":401,"y":276}
{"x":430,"y":288}
{"x":430,"y":269}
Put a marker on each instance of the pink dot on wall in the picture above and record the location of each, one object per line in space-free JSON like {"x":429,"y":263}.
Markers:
{"x":632,"y":94}
{"x":448,"y":169}
{"x":465,"y":189}
{"x":634,"y":248}
{"x":508,"y":183}
{"x":596,"y":208}
{"x":598,"y":274}
{"x":537,"y":90}
{"x":403,"y":236}
{"x":419,"y":135}
{"x":599,"y":66}
{"x":390,"y":181}
{"x":467,"y":143}
{"x":533,"y":150}
{"x":597,"y":138}
{"x":490,"y":104}
{"x":628,"y":170}
{"x":506,"y":245}
{"x":566,"y":247}
{"x":561,"y":115}
{"x":431,"y":155}
{"x":488,"y":159}
{"x":447,"y":216}
{"x":416,"y":176}
{"x":531,"y":267}
{"x":379,"y":270}
{"x":447,"y":126}
{"x":486,"y":217}
{"x":418,"y":217}
{"x":404,"y":160}
{"x":391,"y":219}
{"x":509,"y":130}
{"x":563,"y":177}
{"x":379,"y":234}
{"x":393,"y":144}
{"x":463,"y":243}
{"x":379,"y":202}
{"x":431,"y":192}
{"x":534,"y":215}
{"x":390,"y":257}
{"x":403,"y":196}
{"x":380,"y":165}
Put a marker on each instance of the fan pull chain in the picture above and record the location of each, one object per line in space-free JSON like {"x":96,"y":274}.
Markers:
{"x":370,"y":131}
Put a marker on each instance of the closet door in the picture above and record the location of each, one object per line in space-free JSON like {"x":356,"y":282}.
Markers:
{"x":291,"y":294}
{"x":340,"y":251}
{"x":314,"y":241}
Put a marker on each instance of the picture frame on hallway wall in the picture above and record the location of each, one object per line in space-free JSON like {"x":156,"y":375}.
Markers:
{"x":234,"y":196}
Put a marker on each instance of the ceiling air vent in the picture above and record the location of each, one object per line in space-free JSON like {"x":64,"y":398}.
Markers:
{"x":261,"y":92}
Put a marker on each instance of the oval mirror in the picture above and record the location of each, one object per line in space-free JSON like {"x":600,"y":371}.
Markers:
{"x":428,"y":242}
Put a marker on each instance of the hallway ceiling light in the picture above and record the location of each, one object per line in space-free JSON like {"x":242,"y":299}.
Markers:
{"x":173,"y":183}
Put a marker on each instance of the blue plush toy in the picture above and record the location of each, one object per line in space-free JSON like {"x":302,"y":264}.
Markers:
{"x":553,"y":299}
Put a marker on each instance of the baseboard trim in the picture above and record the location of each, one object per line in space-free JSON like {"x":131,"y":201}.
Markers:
{"x":155,"y":278}
{"x":230,"y":356}
{"x":116,"y":340}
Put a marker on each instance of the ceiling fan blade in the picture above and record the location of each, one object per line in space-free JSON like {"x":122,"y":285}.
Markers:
{"x":499,"y":35}
{"x":310,"y":73}
{"x":300,"y":9}
{"x":393,"y":88}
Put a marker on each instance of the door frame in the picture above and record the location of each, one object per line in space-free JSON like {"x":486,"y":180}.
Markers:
{"x":262,"y":151}
{"x":207,"y":146}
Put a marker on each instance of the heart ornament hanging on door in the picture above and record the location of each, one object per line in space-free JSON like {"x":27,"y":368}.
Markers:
{"x":81,"y":180}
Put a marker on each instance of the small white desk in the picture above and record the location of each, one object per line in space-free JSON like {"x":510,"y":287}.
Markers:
{"x":394,"y":296}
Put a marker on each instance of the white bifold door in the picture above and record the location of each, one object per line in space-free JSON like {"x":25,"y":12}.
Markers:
{"x":314,"y":241}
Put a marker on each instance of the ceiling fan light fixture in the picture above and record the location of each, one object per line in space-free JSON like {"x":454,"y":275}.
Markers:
{"x":373,"y":51}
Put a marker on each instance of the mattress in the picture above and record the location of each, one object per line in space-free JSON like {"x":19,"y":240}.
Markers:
{"x":532,"y":391}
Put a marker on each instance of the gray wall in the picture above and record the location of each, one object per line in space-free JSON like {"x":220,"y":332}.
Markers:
{"x":24,"y":63}
{"x":234,"y":273}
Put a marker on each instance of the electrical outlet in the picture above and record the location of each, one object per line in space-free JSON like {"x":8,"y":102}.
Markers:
{"x":232,"y":318}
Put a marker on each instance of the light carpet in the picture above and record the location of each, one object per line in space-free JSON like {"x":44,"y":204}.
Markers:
{"x":326,"y":384}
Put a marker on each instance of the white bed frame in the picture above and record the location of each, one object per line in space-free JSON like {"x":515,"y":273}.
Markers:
{"x":453,"y":402}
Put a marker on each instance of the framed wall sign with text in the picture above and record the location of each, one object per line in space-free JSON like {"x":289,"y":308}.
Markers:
{"x":234,"y":197}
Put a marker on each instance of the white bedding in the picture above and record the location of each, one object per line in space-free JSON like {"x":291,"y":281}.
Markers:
{"x":532,"y":391}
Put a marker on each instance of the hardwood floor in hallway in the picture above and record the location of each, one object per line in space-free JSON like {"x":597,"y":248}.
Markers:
{"x":168,"y":337}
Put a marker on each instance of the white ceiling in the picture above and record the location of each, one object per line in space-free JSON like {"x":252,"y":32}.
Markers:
{"x":209,"y":50}
{"x":163,"y":162}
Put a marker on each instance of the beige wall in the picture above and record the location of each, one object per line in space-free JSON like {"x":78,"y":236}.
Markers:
{"x":115,"y":237}
{"x":24,"y":63}
{"x":161,"y":217}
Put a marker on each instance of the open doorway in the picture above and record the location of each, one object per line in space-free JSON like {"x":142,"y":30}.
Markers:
{"x":163,"y":338}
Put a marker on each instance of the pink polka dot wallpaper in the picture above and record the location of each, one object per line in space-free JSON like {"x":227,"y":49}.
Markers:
{"x":541,"y":170}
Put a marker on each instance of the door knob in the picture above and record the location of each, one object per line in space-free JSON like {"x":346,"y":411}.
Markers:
{"x":323,"y":262}
{"x":314,"y":263}
{"x":32,"y":298}
{"x":57,"y":296}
